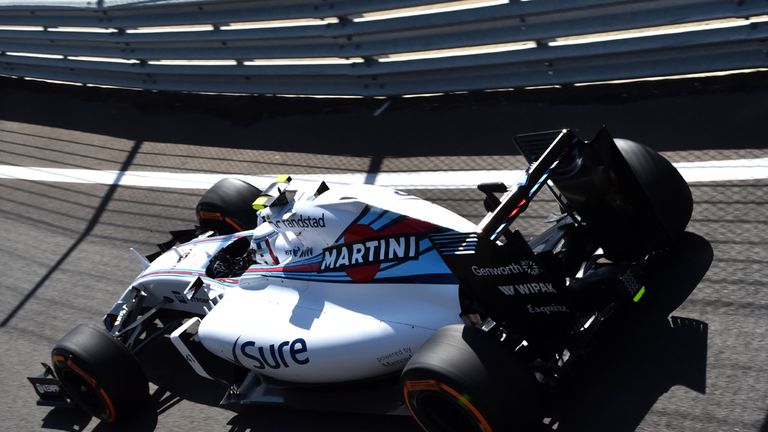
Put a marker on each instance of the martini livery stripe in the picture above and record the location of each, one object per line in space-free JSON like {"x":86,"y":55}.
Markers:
{"x":366,"y":252}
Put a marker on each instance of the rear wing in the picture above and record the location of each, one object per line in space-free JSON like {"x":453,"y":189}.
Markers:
{"x":630,"y":200}
{"x":542,"y":158}
{"x":504,"y":275}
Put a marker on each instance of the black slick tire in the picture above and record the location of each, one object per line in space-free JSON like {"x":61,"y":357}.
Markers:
{"x":463,"y":380}
{"x":668,"y":193}
{"x":633,"y":201}
{"x":225,"y":208}
{"x":99,"y":374}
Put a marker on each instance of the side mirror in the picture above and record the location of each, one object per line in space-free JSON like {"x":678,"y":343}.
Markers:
{"x":491,"y":201}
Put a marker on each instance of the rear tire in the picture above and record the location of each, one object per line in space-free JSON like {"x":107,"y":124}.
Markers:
{"x":225,"y":208}
{"x":667,"y":191}
{"x":99,"y":374}
{"x":632,"y":199}
{"x":463,"y":380}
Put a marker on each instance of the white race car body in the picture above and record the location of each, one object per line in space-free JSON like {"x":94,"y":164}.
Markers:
{"x":351,"y":286}
{"x":343,"y":298}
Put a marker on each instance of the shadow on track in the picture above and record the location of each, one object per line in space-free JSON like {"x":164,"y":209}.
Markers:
{"x":613,"y":387}
{"x":168,"y":370}
{"x":273,"y":419}
{"x":609,"y":389}
{"x":709,"y":113}
{"x":66,"y":419}
{"x":98,"y":212}
{"x":145,"y":420}
{"x":616,"y":389}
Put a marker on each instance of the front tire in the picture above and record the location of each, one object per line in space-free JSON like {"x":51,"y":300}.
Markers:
{"x":225,"y":208}
{"x":464,"y":380}
{"x":99,"y":374}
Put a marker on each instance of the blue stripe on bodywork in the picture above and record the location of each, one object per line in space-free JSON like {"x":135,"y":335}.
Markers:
{"x":431,"y":278}
{"x":386,"y":221}
{"x":359,"y":217}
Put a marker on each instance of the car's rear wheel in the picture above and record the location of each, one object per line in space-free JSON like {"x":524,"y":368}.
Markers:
{"x":667,"y":191}
{"x":463,"y":380}
{"x":225,"y":208}
{"x":99,"y":374}
{"x":632,"y":199}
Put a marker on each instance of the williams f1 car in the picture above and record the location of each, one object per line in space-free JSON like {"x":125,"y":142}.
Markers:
{"x":292,"y":292}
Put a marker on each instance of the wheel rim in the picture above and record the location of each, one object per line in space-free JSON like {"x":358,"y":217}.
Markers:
{"x":439,"y":408}
{"x":82,"y":388}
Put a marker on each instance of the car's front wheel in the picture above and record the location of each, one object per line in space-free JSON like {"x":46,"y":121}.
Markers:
{"x":99,"y":374}
{"x":225,"y":208}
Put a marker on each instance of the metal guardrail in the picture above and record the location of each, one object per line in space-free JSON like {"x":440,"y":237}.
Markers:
{"x":375,"y":47}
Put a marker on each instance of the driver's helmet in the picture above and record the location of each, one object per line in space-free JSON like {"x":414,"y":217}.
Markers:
{"x":262,"y":252}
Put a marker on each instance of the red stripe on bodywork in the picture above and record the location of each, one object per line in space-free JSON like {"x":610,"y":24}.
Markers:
{"x":286,"y":269}
{"x":271,"y":253}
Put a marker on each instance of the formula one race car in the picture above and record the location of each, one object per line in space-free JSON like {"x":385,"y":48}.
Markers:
{"x":304,"y":292}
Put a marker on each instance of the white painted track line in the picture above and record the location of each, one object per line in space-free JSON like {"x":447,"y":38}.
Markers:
{"x":693,"y":172}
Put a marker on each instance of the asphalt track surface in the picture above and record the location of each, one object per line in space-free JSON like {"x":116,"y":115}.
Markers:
{"x":64,"y":246}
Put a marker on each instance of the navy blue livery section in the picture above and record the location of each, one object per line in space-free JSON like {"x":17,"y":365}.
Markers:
{"x":625,"y":197}
{"x":507,"y":280}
